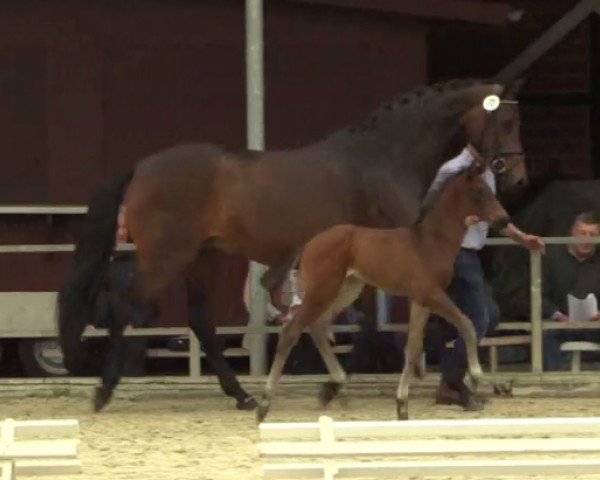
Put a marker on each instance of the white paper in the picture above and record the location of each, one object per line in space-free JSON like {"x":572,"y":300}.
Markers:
{"x":582,"y":310}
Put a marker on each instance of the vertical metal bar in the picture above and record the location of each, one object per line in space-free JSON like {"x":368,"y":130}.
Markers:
{"x":255,"y":118}
{"x":194,"y":355}
{"x":256,"y":141}
{"x":383,"y":313}
{"x":536,"y":312}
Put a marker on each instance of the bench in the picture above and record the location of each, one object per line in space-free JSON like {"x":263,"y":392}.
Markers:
{"x":576,"y":348}
{"x":495,"y":342}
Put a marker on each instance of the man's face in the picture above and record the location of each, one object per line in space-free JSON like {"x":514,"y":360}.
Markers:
{"x":583,"y":230}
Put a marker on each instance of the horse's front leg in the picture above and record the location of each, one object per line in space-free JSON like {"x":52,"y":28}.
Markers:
{"x":442,"y":306}
{"x":413,"y":351}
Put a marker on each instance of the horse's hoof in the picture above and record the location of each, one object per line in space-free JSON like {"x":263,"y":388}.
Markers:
{"x":101,"y":398}
{"x":329,"y":391}
{"x":475,"y":381}
{"x":474,"y":404}
{"x":402,"y":409}
{"x":504,"y":390}
{"x":261,"y":412}
{"x":246,"y":403}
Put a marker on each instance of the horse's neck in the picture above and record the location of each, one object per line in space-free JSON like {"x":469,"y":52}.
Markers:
{"x":443,"y":227}
{"x":416,"y":139}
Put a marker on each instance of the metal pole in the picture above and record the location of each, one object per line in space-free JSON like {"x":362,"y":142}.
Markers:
{"x":256,"y":141}
{"x":383,"y":312}
{"x":194,"y":360}
{"x":536,"y":312}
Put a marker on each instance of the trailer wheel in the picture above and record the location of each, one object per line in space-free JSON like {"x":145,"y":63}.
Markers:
{"x":41,"y":357}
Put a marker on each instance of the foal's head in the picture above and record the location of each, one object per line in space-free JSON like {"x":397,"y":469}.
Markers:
{"x":470,"y":196}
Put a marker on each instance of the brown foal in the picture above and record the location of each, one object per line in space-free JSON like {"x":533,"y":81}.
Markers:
{"x":415,"y":262}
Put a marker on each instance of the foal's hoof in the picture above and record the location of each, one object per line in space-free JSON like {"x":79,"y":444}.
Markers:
{"x":246,"y":403}
{"x":101,"y":398}
{"x":504,"y":390}
{"x":475,"y":381}
{"x":402,"y":409}
{"x":329,"y":391}
{"x":474,"y":404}
{"x":262,"y":410}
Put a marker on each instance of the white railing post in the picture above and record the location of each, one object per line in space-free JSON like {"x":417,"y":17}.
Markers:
{"x":536,"y":312}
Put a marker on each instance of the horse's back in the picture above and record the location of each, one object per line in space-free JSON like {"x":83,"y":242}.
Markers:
{"x":179,"y":172}
{"x":172,"y":160}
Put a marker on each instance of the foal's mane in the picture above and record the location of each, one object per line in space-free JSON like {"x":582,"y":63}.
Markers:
{"x":404,"y":101}
{"x":433,"y":195}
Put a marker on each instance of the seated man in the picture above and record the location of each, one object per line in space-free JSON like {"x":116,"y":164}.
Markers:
{"x":570,"y":269}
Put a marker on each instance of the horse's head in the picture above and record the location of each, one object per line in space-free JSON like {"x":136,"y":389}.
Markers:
{"x":493,"y":130}
{"x":475,"y":199}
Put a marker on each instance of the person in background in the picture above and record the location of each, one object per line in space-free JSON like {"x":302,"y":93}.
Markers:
{"x":570,"y":269}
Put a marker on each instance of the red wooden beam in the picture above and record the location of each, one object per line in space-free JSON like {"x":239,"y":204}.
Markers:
{"x":474,"y":11}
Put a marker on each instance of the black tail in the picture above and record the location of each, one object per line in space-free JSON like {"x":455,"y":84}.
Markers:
{"x":77,"y":297}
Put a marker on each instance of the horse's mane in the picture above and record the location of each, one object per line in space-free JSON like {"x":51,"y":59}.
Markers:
{"x":433,"y":195}
{"x":417,"y":96}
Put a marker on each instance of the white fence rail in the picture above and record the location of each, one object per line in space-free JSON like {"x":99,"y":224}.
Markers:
{"x":39,"y":447}
{"x":329,"y":449}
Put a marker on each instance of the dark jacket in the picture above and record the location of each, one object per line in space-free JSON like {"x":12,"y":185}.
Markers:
{"x":563,"y":274}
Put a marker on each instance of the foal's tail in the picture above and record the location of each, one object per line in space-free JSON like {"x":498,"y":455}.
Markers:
{"x":77,"y":297}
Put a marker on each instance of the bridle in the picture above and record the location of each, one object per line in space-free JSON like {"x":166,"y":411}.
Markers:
{"x":496,"y":159}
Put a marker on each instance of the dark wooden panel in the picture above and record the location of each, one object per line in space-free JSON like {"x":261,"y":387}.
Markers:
{"x":23,"y":156}
{"x":157,"y":97}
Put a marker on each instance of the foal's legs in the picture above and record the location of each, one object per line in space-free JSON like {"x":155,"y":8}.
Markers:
{"x":441,"y":305}
{"x":289,"y":336}
{"x":319,"y":332}
{"x":317,"y":300}
{"x":412,"y":353}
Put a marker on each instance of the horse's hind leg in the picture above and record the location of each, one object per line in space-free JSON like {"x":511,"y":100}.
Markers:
{"x":113,"y":366}
{"x":441,"y":305}
{"x":155,"y":269}
{"x":288,"y":337}
{"x":314,"y":305}
{"x":118,"y":314}
{"x":319,"y":331}
{"x":329,"y":390}
{"x":204,"y":329}
{"x":413,"y":351}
